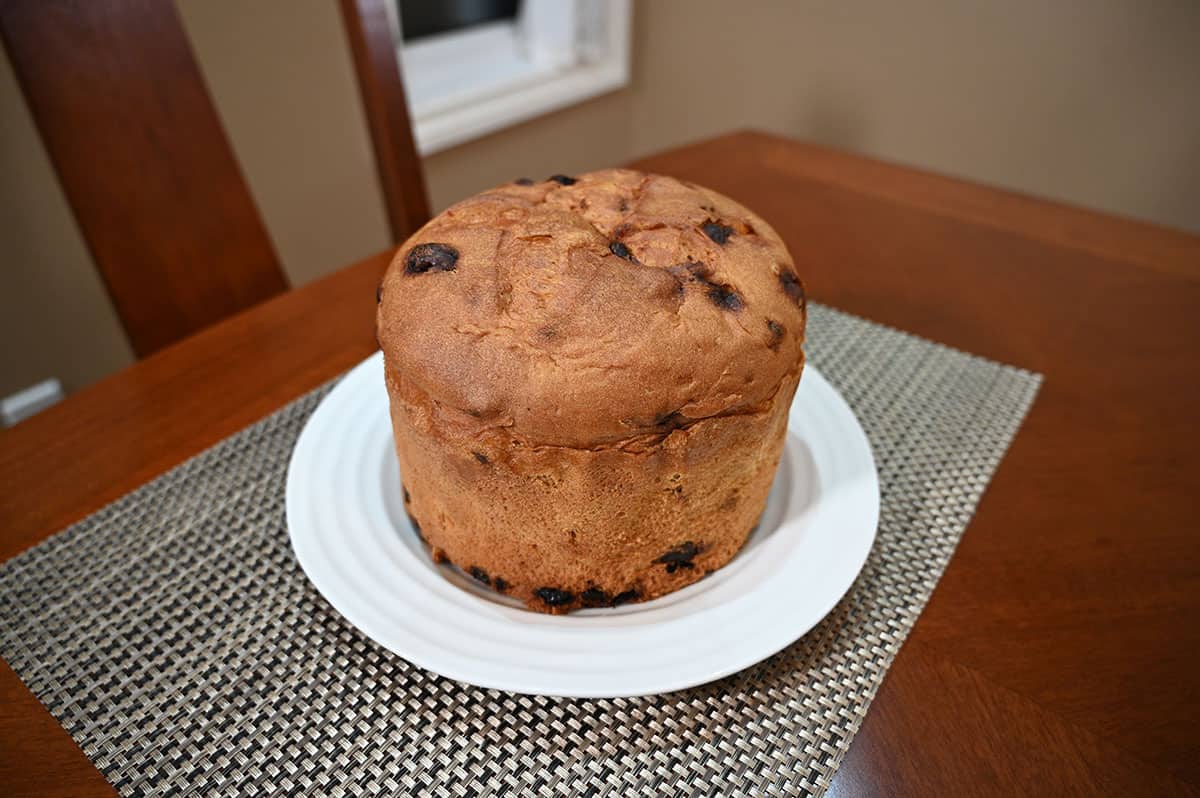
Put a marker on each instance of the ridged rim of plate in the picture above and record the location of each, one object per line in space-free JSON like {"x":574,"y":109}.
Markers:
{"x":350,"y":536}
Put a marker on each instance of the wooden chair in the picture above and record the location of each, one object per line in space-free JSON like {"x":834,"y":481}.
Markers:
{"x":128,"y":123}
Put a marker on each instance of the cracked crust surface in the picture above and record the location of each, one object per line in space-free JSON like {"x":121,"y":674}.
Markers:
{"x":542,"y":328}
{"x":589,"y":382}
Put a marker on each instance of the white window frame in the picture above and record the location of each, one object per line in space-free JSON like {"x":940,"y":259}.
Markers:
{"x":465,"y":84}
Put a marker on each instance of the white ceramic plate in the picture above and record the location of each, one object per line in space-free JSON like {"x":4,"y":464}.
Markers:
{"x":347,"y":523}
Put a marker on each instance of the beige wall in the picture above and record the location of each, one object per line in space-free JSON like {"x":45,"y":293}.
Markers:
{"x":591,"y":135}
{"x":1093,"y":102}
{"x":1087,"y":101}
{"x":281,"y":77}
{"x":55,"y":318}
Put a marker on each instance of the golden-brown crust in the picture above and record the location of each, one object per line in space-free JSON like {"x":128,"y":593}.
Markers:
{"x":541,"y":328}
{"x":589,"y":383}
{"x":636,"y":524}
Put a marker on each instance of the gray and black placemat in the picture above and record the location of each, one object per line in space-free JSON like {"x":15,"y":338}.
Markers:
{"x":177,"y":640}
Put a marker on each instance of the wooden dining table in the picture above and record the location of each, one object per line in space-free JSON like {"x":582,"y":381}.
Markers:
{"x":1058,"y":655}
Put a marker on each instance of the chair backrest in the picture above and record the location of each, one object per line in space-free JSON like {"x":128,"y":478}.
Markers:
{"x":373,"y":47}
{"x":128,"y":123}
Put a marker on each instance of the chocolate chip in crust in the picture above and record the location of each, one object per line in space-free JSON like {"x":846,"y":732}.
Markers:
{"x":595,"y":597}
{"x":776,"y":330}
{"x":621,"y":251}
{"x":430,"y":257}
{"x":726,"y":297}
{"x":680,"y":557}
{"x":553,"y":597}
{"x":722,"y":295}
{"x":500,"y":585}
{"x":562,"y":180}
{"x":479,"y":575}
{"x":481,"y":457}
{"x":717,"y":232}
{"x":625,"y":596}
{"x":792,"y":285}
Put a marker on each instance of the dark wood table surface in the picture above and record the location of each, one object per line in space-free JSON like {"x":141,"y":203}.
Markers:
{"x":1058,"y":654}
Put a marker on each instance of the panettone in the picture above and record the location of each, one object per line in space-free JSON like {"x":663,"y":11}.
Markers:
{"x":590,"y":380}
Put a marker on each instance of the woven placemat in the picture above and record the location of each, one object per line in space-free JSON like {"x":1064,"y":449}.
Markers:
{"x":175,"y":637}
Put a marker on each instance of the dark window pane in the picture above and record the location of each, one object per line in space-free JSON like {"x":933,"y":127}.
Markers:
{"x":426,"y":17}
